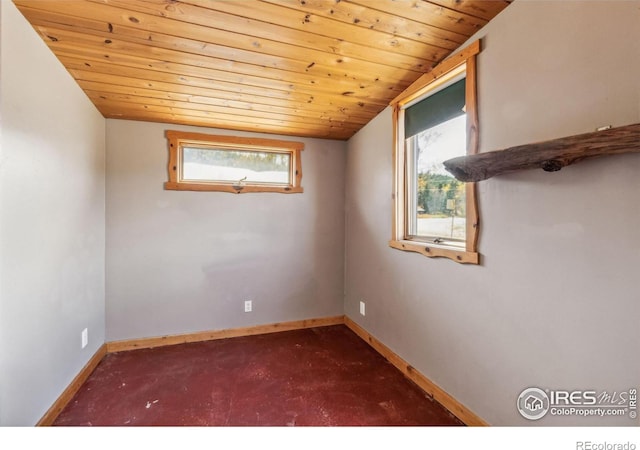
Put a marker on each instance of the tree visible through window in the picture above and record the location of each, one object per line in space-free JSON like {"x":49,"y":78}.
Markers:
{"x":439,"y":209}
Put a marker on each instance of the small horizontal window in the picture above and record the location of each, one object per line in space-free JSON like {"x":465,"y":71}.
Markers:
{"x":200,"y":162}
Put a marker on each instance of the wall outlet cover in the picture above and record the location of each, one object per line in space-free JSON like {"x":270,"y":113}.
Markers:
{"x":85,"y":337}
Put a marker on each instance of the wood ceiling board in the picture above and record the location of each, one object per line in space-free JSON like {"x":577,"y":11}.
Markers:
{"x":437,"y":15}
{"x":227,"y":107}
{"x":356,"y":98}
{"x":305,"y":84}
{"x":110,"y":23}
{"x":220,"y":99}
{"x":327,"y":39}
{"x":281,"y":122}
{"x":142,"y":94}
{"x":253,"y":111}
{"x":149,"y":97}
{"x":206,"y":88}
{"x":57,"y":35}
{"x":482,"y":9}
{"x":389,"y":27}
{"x":335,"y":133}
{"x":319,"y":68}
{"x":195,"y":76}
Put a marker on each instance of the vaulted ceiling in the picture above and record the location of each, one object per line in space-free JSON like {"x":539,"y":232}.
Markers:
{"x":318,"y":68}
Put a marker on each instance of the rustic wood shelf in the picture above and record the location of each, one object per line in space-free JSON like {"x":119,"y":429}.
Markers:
{"x":549,"y":156}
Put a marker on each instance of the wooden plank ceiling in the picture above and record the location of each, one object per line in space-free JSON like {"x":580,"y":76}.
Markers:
{"x":317,"y":68}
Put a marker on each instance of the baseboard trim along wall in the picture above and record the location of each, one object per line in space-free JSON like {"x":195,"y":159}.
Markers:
{"x":134,"y":344}
{"x":71,"y":390}
{"x":455,"y":407}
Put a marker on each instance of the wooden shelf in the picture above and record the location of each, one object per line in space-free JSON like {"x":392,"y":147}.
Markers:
{"x":549,"y":156}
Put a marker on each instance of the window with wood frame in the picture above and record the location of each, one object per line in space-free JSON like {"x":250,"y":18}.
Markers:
{"x":202,"y":162}
{"x":434,"y":120}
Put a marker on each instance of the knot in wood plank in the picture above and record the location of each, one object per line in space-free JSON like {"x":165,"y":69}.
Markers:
{"x":552,"y":165}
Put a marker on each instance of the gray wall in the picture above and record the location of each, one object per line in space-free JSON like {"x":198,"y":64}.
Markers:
{"x":555,"y":303}
{"x":51,"y":224}
{"x":181,"y":262}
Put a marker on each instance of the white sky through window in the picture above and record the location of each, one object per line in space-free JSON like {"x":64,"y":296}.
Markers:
{"x":440,"y":143}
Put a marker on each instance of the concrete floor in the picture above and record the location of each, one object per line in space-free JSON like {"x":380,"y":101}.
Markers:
{"x":316,"y":377}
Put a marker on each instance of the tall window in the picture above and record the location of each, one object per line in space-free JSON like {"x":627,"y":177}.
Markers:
{"x":435,"y":119}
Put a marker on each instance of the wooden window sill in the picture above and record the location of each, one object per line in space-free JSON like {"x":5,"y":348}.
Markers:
{"x":436,"y":251}
{"x":184,"y":186}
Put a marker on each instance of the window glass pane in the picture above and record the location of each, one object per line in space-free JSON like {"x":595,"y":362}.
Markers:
{"x":436,"y":200}
{"x":204,"y":164}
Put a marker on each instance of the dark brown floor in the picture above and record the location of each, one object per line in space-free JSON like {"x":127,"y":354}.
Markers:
{"x":315,"y":377}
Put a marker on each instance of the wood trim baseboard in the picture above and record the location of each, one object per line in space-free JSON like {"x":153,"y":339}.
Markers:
{"x":135,"y":344}
{"x":463,"y":413}
{"x":54,"y":411}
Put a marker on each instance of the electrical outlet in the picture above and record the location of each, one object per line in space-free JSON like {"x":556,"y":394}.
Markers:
{"x":85,"y":337}
{"x":362,"y":310}
{"x":248,"y":306}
